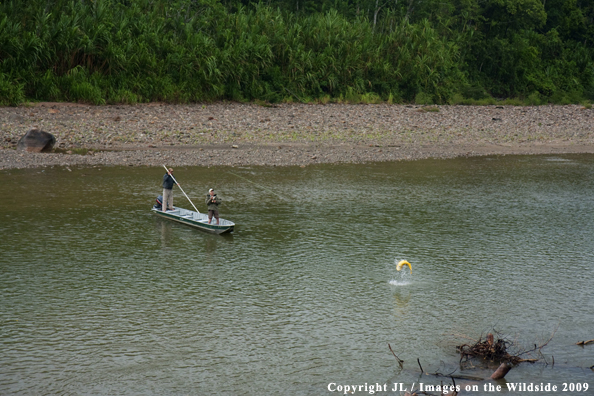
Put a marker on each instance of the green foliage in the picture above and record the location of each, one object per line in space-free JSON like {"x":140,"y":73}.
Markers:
{"x":423,"y":98}
{"x":512,"y":102}
{"x":78,"y":86}
{"x":458,"y":99}
{"x":534,"y":99}
{"x":475,"y":92}
{"x":565,"y":98}
{"x":11,"y":93}
{"x":356,"y":51}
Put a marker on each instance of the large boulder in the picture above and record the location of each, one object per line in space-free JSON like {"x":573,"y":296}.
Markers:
{"x":36,"y":141}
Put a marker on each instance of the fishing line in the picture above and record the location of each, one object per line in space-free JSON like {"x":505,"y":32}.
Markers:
{"x":256,"y":184}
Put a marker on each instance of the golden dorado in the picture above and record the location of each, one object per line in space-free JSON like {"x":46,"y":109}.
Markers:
{"x":401,"y":264}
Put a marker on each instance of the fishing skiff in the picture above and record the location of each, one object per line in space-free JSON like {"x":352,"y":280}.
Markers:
{"x":196,"y":220}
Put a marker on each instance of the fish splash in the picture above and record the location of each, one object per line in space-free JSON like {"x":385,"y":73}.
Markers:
{"x":405,"y":278}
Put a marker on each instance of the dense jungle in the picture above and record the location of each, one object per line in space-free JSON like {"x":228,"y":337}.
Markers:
{"x":349,"y":51}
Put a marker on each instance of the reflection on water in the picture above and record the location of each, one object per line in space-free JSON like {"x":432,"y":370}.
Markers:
{"x":402,"y":297}
{"x":164,"y":227}
{"x":98,"y":296}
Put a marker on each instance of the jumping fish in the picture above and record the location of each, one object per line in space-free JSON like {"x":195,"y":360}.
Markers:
{"x":401,"y":264}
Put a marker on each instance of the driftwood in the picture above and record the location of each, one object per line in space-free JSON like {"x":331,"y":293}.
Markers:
{"x":490,"y":349}
{"x":450,"y":375}
{"x":585,"y":342}
{"x":400,"y":362}
{"x":497,"y":350}
{"x":501,"y":371}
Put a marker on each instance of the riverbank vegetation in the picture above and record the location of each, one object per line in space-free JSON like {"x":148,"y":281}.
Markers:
{"x":395,"y":51}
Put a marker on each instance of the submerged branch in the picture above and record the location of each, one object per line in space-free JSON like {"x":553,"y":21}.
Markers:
{"x":498,"y":350}
{"x":585,"y":342}
{"x":400,"y":362}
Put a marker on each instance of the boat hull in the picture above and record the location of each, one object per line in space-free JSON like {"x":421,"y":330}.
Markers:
{"x":196,"y":220}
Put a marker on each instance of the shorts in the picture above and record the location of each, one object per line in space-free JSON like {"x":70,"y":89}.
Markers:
{"x":211,"y":212}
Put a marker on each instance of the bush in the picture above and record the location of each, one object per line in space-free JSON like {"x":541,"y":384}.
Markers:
{"x":45,"y":87}
{"x":324,"y":99}
{"x":423,"y":98}
{"x":512,"y":102}
{"x":11,"y":93}
{"x":534,"y":99}
{"x":485,"y":102}
{"x":457,"y":99}
{"x":370,"y":98}
{"x":123,"y":96}
{"x":474,"y":92}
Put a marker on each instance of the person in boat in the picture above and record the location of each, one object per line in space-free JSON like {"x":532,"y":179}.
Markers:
{"x":168,"y":183}
{"x":213,"y":203}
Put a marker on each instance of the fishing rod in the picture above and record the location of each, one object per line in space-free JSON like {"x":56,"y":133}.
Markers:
{"x":182,"y":190}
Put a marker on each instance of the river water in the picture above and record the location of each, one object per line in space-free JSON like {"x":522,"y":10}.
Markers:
{"x":99,"y":296}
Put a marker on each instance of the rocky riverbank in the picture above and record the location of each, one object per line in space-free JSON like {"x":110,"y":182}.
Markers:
{"x":288,"y":134}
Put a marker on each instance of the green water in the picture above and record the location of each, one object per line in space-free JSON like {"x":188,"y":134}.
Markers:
{"x":99,"y":296}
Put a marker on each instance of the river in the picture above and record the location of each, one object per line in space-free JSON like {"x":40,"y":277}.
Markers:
{"x":99,"y":296}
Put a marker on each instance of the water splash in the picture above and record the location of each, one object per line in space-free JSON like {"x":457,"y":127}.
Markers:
{"x":402,"y":278}
{"x":396,"y":282}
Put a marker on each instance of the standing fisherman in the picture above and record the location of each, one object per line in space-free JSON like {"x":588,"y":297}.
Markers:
{"x":168,"y":183}
{"x":213,"y":203}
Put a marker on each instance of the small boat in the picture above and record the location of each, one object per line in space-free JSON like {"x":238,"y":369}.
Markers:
{"x":196,"y":220}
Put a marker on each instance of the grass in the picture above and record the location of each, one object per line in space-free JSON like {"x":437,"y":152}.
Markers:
{"x":456,"y":99}
{"x":531,"y":100}
{"x":263,"y":103}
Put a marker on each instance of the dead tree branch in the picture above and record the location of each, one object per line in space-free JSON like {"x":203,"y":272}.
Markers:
{"x":585,"y":342}
{"x":400,"y":362}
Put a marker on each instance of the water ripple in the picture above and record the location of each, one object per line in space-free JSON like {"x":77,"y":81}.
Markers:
{"x":100,"y":297}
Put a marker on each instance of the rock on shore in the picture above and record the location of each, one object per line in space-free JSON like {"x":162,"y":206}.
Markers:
{"x":36,"y":141}
{"x":288,"y":134}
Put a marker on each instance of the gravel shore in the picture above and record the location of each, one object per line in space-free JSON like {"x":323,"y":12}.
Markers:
{"x":287,"y":134}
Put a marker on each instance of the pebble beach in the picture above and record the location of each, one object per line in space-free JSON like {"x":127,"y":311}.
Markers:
{"x":239,"y":134}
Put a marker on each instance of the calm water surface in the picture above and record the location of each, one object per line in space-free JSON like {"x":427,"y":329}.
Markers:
{"x":98,"y":296}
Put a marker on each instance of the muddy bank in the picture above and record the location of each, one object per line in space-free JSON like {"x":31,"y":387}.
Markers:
{"x":288,"y":134}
